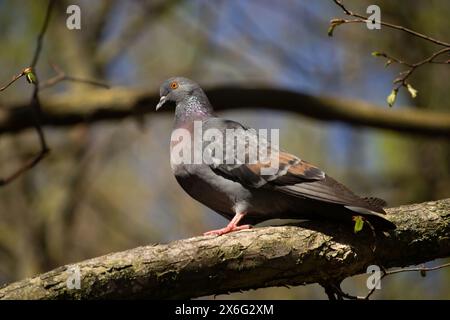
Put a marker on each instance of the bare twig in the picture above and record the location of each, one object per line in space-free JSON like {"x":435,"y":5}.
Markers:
{"x":342,"y":294}
{"x":35,"y":104}
{"x":334,"y":291}
{"x":413,"y":67}
{"x":40,"y":37}
{"x":330,"y":291}
{"x":401,"y":80}
{"x":62,"y":76}
{"x":374,"y":234}
{"x":14,"y":79}
{"x":44,"y":150}
{"x":419,"y":269}
{"x":404,"y":75}
{"x":364,"y":19}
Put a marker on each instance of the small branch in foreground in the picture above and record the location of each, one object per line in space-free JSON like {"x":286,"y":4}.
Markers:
{"x":35,"y":104}
{"x":40,"y":38}
{"x":365,"y":19}
{"x":14,"y":79}
{"x":400,"y":81}
{"x":422,"y":270}
{"x":334,"y":291}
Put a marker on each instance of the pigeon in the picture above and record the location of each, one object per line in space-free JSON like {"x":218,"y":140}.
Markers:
{"x":247,"y":193}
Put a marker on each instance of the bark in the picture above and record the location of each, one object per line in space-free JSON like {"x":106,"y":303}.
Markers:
{"x":314,"y":252}
{"x":97,"y":105}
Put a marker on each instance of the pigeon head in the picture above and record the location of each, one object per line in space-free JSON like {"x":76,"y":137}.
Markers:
{"x":187,"y":96}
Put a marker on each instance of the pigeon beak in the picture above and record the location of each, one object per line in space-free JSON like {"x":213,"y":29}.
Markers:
{"x":161,"y":102}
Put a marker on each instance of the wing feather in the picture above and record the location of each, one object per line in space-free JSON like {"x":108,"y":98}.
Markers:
{"x":293,"y":176}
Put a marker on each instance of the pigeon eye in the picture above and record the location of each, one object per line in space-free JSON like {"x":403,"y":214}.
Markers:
{"x":174,"y":85}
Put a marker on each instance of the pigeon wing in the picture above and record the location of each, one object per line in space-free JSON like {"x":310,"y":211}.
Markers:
{"x":293,"y":176}
{"x":287,"y":169}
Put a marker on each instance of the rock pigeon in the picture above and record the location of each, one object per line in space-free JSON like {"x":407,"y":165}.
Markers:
{"x":241,"y":192}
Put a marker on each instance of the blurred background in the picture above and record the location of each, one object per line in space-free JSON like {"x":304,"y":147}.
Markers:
{"x":108,"y":186}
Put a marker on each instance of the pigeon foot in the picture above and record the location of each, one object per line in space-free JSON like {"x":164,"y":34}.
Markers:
{"x":227,"y":229}
{"x":232,"y":226}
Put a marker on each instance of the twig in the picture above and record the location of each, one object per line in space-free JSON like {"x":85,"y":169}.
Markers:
{"x":400,"y":81}
{"x":419,"y":269}
{"x":374,"y":235}
{"x":40,"y":37}
{"x":331,"y":292}
{"x":44,"y":150}
{"x":364,"y":19}
{"x":62,"y":76}
{"x":14,"y":79}
{"x":343,"y":294}
{"x":411,"y":66}
{"x":35,"y":104}
{"x":334,"y":291}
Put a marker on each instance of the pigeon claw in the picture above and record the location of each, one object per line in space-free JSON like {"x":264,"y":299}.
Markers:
{"x":227,"y":229}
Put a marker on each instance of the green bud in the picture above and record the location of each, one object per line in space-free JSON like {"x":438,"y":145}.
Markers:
{"x":411,"y":90}
{"x":30,"y":75}
{"x":391,"y":98}
{"x":359,"y":222}
{"x":378,"y":54}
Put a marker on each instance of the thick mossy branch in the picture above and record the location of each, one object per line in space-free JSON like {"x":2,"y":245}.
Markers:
{"x":272,"y":256}
{"x":100,"y":105}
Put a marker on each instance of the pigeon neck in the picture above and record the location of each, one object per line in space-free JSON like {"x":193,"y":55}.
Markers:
{"x":194,"y":107}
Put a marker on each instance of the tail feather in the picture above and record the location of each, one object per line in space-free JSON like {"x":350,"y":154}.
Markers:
{"x":374,"y":217}
{"x":376,"y":202}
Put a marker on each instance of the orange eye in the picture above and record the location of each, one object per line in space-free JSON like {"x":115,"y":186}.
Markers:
{"x":174,"y":85}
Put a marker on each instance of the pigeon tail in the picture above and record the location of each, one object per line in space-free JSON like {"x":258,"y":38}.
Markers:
{"x":373,"y":217}
{"x":375,"y":202}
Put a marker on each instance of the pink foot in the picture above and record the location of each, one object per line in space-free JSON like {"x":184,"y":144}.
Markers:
{"x":227,"y":229}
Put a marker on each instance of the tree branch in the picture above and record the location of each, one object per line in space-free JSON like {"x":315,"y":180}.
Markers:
{"x":98,"y":105}
{"x":314,"y":252}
